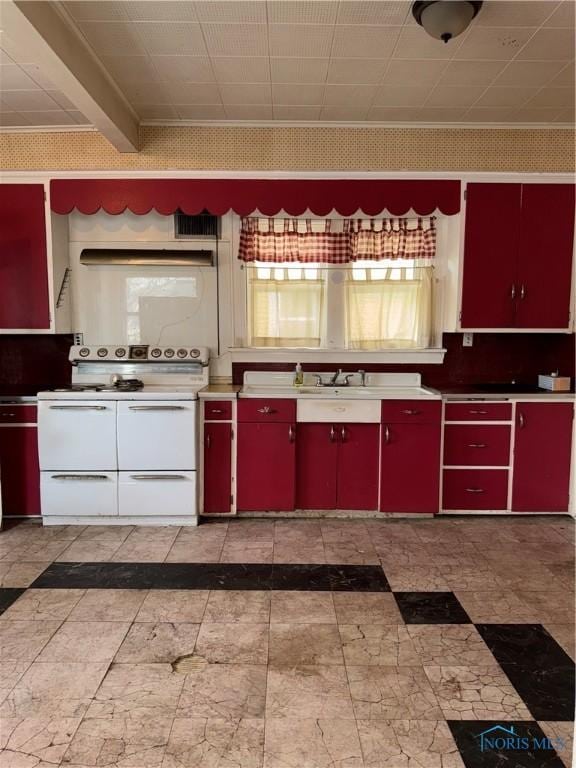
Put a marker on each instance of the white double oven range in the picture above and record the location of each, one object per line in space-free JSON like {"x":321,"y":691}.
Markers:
{"x":120,"y":446}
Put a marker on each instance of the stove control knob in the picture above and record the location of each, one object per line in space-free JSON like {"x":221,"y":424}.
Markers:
{"x":155,"y":352}
{"x":102,"y":352}
{"x":182,"y":353}
{"x":194,"y":353}
{"x":84,"y":352}
{"x":169,"y":352}
{"x":120,"y":352}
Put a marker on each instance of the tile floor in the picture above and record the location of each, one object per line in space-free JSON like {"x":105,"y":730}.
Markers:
{"x":289,"y":644}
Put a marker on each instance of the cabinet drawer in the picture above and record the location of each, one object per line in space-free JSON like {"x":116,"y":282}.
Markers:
{"x":475,"y":489}
{"x":157,"y":494}
{"x":17,"y":414}
{"x":217,"y":410}
{"x":477,"y":446}
{"x":266,"y":409}
{"x":411,"y":411}
{"x":79,"y":494}
{"x":478,"y":412}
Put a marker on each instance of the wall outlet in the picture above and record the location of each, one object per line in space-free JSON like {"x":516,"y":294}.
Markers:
{"x":467,"y":339}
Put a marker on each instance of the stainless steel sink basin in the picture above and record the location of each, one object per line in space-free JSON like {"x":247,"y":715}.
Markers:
{"x":344,"y":393}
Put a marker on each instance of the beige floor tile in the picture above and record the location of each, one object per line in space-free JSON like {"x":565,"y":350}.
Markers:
{"x":514,"y":576}
{"x":549,"y":606}
{"x":227,"y":691}
{"x":43,"y":605}
{"x":141,"y":552}
{"x":10,"y":673}
{"x":89,"y":641}
{"x":297,"y":532}
{"x":344,"y":530}
{"x":393,"y":554}
{"x":562,"y":735}
{"x":476,"y":693}
{"x":408,"y":744}
{"x":108,"y":605}
{"x":563,"y":576}
{"x":20,"y":574}
{"x":311,"y":743}
{"x":386,"y":532}
{"x":215,"y":743}
{"x":564,"y":636}
{"x":42,"y":551}
{"x":149,"y":642}
{"x":106,"y":533}
{"x":416,"y":578}
{"x":33,"y":741}
{"x":233,"y":643}
{"x":392,"y":693}
{"x":250,"y":531}
{"x":377,"y":645}
{"x":449,"y":644}
{"x":299,"y":553}
{"x":138,"y":691}
{"x":302,"y":644}
{"x":247,"y":552}
{"x":350,"y":553}
{"x":119,"y":742}
{"x":89,"y":551}
{"x":496,"y":606}
{"x":194,"y":551}
{"x":174,"y":605}
{"x":290,"y":607}
{"x":366,"y":608}
{"x":470,"y":578}
{"x":54,"y":690}
{"x":315,"y":691}
{"x":23,"y":640}
{"x":241,"y":606}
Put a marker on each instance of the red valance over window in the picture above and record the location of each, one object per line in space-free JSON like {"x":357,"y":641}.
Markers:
{"x":245,"y":196}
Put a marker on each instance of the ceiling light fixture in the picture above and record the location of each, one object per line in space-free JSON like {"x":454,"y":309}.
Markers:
{"x":445,"y":19}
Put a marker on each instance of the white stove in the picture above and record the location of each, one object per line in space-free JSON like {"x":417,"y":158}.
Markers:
{"x":120,"y":445}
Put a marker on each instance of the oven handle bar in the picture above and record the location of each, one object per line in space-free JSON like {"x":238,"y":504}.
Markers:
{"x":80,"y":477}
{"x":158,"y":477}
{"x":157,"y":407}
{"x":78,"y":407}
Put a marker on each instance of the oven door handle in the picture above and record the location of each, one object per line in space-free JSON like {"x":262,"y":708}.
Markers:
{"x":79,"y":477}
{"x":78,"y":407}
{"x":157,"y":407}
{"x":158,"y":477}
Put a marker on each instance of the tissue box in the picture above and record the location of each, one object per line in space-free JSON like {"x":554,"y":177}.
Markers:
{"x":554,"y":383}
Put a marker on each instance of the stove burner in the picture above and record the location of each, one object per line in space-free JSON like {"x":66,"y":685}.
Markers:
{"x":122,"y":385}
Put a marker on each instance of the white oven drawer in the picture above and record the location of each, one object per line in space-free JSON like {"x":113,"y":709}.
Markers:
{"x":161,"y":494}
{"x":77,"y":435}
{"x":336,"y":411}
{"x":79,"y":493}
{"x":157,"y":435}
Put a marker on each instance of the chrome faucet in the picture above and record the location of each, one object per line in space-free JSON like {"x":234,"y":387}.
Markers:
{"x":334,"y":379}
{"x":362,"y":378}
{"x":318,"y":379}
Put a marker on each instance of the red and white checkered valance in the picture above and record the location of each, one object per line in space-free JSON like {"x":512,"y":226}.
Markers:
{"x":329,"y":241}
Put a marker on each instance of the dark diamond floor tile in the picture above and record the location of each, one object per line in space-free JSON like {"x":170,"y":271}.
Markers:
{"x":526,"y":747}
{"x":431,"y":608}
{"x":548,"y":693}
{"x":358,"y":578}
{"x":9,"y":595}
{"x":528,"y":645}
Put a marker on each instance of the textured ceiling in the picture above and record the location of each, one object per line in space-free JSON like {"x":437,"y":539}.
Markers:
{"x":284,"y":60}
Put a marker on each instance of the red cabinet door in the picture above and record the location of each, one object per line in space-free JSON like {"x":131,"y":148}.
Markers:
{"x":543,"y":439}
{"x":410,"y":468}
{"x":357,"y":467}
{"x":24,"y":295}
{"x":490,"y":255}
{"x":19,"y":471}
{"x":266,"y":466}
{"x":217,"y":467}
{"x":316,"y":466}
{"x":545,"y":256}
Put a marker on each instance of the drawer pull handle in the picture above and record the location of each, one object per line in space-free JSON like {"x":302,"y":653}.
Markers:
{"x":513,"y":291}
{"x":158,"y":477}
{"x":478,"y":413}
{"x":208,"y":441}
{"x":521,"y":421}
{"x":266,"y":410}
{"x":291,"y":434}
{"x":78,"y":408}
{"x":156,"y":407}
{"x":522,"y":291}
{"x":410,"y":412}
{"x":474,"y":490}
{"x":343,"y":434}
{"x":10,"y":415}
{"x":386,"y":435}
{"x":332,"y":434}
{"x":477,"y":445}
{"x":216,"y":410}
{"x":79,"y":477}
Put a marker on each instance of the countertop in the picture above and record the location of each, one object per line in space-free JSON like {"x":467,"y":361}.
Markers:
{"x":18,"y":398}
{"x":527,"y":393}
{"x":214,"y":391}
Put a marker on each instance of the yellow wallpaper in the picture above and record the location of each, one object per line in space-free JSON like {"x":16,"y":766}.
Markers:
{"x":313,"y":149}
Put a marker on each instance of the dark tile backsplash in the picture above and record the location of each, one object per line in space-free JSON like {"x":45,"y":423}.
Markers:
{"x":29,"y":363}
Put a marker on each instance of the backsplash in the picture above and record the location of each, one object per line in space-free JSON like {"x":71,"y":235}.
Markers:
{"x":29,"y":363}
{"x":494,"y":357}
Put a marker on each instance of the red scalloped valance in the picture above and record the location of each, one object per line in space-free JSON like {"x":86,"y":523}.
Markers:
{"x":244,"y":196}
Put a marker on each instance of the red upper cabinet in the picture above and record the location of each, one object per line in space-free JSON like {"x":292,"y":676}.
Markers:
{"x":518,"y":248}
{"x":266,"y":466}
{"x":543,"y":440}
{"x":545,"y":256}
{"x":490,"y":253}
{"x":24,"y":286}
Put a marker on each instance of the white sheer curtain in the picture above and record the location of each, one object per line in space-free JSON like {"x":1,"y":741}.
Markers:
{"x":388,"y":307}
{"x":286,"y":307}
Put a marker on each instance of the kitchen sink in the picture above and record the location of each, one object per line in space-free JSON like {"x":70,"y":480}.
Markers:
{"x":340,"y":393}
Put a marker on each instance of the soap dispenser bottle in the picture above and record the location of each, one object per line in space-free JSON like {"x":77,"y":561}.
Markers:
{"x":298,"y":375}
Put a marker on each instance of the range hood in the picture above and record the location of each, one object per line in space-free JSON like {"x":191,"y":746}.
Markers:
{"x":163,"y":257}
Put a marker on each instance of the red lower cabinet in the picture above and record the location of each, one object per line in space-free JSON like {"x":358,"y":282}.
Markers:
{"x":266,"y":466}
{"x":217,"y":468}
{"x":19,"y":471}
{"x":543,"y":439}
{"x":410,"y":468}
{"x":358,"y":466}
{"x":475,"y":489}
{"x":316,"y":466}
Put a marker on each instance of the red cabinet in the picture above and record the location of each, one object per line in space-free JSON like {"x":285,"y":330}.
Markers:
{"x":410,"y":467}
{"x":266,"y":465}
{"x":518,"y":247}
{"x":217,"y":468}
{"x":475,"y":489}
{"x":337,"y":466}
{"x":543,"y":438}
{"x":19,"y":471}
{"x":477,"y":445}
{"x":24,"y":288}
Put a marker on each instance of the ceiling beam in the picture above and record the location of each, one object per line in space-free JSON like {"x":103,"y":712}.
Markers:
{"x":39,"y":31}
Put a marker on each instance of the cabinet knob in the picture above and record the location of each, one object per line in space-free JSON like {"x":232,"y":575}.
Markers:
{"x":521,"y":420}
{"x":410,"y":412}
{"x":343,"y":434}
{"x":208,"y":441}
{"x":386,"y":435}
{"x":291,"y":433}
{"x":477,"y":445}
{"x":332,"y":434}
{"x":474,"y":490}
